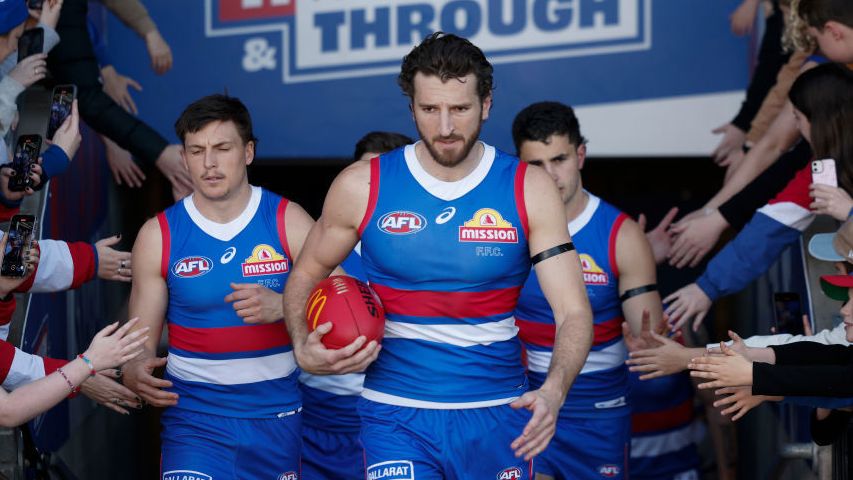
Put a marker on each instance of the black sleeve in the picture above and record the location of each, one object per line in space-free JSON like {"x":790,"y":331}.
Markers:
{"x":812,"y":353}
{"x":828,"y":430}
{"x":796,"y":380}
{"x":771,"y":58}
{"x":739,"y":209}
{"x":73,"y":61}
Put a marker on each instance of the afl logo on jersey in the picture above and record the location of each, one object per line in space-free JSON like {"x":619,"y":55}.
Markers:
{"x":488,"y":226}
{"x":189,"y":267}
{"x":592,"y":273}
{"x":264,"y":261}
{"x":609,"y":471}
{"x":288,"y":476}
{"x":402,"y":223}
{"x":511,"y":473}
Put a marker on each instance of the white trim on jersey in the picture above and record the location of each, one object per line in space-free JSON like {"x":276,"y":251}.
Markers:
{"x":348,"y":384}
{"x":380,"y":397}
{"x":585,"y":216}
{"x":25,"y":368}
{"x":449,"y":190}
{"x":456,"y":335}
{"x":655,"y":445}
{"x":604,"y":359}
{"x":55,"y":271}
{"x":224,"y":231}
{"x":233,"y":371}
{"x":4,"y":331}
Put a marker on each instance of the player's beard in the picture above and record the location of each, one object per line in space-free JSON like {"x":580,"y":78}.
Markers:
{"x":450,"y":159}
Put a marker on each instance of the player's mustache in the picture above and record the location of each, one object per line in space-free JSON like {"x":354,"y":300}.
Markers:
{"x":447,"y":138}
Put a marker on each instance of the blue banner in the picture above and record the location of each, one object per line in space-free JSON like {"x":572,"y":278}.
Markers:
{"x":319,"y":74}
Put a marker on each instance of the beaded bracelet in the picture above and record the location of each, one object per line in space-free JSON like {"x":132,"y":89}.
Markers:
{"x":92,"y":371}
{"x":70,"y":385}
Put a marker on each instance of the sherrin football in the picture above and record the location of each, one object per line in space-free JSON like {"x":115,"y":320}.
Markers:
{"x":351,"y":305}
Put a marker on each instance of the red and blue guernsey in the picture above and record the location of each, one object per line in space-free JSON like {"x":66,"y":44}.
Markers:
{"x":601,"y":388}
{"x":448,"y":260}
{"x":664,"y":430}
{"x":218,"y":364}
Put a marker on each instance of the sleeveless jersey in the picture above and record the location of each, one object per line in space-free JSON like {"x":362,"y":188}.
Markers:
{"x":219,"y":364}
{"x":664,"y":431}
{"x":601,"y":387}
{"x":448,"y":260}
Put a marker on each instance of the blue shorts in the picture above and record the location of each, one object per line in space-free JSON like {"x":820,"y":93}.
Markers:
{"x":403,"y":443}
{"x":331,"y":455}
{"x":209,"y":447}
{"x":587,"y":448}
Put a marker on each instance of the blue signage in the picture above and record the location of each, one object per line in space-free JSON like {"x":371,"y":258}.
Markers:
{"x":319,"y":74}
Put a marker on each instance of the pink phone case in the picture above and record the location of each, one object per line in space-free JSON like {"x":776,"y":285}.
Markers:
{"x":823,"y":172}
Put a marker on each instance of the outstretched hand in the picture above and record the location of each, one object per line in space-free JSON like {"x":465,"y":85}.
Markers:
{"x":661,"y":238}
{"x":728,"y":370}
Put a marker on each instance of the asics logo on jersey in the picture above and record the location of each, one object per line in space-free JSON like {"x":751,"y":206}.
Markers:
{"x":228,"y":255}
{"x":185,"y":475}
{"x":445,"y":215}
{"x":488,"y":226}
{"x":609,"y":471}
{"x":392,"y":470}
{"x":402,"y":223}
{"x":511,"y":473}
{"x":288,"y":476}
{"x":189,"y":267}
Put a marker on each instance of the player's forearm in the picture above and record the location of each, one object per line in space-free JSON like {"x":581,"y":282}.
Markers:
{"x":34,"y":398}
{"x":572,"y":342}
{"x":296,"y":293}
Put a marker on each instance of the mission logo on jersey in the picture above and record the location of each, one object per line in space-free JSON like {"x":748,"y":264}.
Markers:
{"x":488,"y":225}
{"x":194,"y":266}
{"x":264,"y":261}
{"x":592,"y":273}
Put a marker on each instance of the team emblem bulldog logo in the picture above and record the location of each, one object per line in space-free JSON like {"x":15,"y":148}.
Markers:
{"x":592,"y":273}
{"x":264,"y":261}
{"x":488,"y":226}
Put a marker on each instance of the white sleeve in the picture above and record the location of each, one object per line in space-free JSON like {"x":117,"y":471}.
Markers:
{"x":836,"y":336}
{"x":25,"y":368}
{"x":55,"y":270}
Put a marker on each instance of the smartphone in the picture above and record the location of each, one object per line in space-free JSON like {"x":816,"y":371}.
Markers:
{"x":35,"y":4}
{"x":788,"y":313}
{"x":30,"y":43}
{"x":60,"y":107}
{"x":26,"y":155}
{"x":21,"y":231}
{"x":823,"y":172}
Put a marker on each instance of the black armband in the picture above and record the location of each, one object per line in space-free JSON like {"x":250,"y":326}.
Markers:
{"x":652,"y":287}
{"x":552,"y":252}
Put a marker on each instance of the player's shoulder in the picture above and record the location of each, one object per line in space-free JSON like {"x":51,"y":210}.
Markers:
{"x":354,"y":179}
{"x":149,"y":240}
{"x":537,"y":181}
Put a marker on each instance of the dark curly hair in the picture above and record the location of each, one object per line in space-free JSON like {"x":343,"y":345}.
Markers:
{"x":539,"y":121}
{"x":446,"y":56}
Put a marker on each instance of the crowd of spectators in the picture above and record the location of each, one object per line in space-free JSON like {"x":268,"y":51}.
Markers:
{"x":798,"y":109}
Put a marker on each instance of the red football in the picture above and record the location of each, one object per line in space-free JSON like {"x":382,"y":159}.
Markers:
{"x":351,"y":305}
